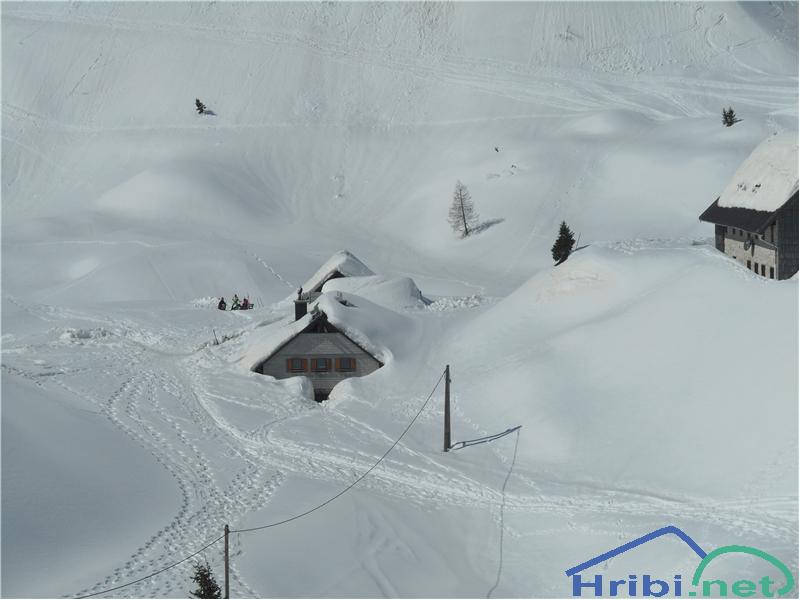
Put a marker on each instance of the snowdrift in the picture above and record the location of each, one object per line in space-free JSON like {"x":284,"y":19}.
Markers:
{"x":341,"y":264}
{"x":767,"y":178}
{"x":397,"y":293}
{"x":628,"y":349}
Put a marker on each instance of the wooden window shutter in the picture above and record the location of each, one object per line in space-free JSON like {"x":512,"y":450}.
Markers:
{"x":304,"y":362}
{"x":289,"y":365}
{"x":338,"y":364}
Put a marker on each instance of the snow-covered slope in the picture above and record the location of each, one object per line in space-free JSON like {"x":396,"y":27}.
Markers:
{"x":655,"y":380}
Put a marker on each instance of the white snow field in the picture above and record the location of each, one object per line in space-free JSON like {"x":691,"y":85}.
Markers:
{"x":655,"y":380}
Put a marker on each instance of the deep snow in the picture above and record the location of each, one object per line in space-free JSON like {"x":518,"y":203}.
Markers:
{"x":655,"y":380}
{"x":766,"y":178}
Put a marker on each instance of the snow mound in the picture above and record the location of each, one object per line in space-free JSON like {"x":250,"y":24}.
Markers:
{"x":611,"y":333}
{"x":767,"y":179}
{"x":342,"y":262}
{"x":188,"y":191}
{"x":398,"y":293}
{"x":79,"y":335}
{"x":207,"y":302}
{"x":449,"y":303}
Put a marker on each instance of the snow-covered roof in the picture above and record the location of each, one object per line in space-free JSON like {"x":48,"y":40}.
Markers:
{"x":396,"y":293}
{"x":372,"y":327}
{"x":767,"y":179}
{"x":343,"y":262}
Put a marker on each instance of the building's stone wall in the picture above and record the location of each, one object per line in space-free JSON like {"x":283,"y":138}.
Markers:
{"x":761,"y":252}
{"x":788,"y":258}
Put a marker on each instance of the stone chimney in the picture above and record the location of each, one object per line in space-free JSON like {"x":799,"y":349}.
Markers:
{"x":300,"y":309}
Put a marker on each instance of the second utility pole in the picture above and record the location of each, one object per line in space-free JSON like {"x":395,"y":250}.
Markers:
{"x":447,"y":408}
{"x":227,"y":564}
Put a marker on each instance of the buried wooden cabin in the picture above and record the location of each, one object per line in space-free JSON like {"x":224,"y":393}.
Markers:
{"x":321,"y":352}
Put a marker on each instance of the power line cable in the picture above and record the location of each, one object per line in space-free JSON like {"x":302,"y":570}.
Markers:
{"x":502,"y":518}
{"x":308,"y":512}
{"x":175,"y":564}
{"x":352,"y":485}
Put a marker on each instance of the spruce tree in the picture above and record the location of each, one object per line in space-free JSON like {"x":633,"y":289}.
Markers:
{"x":562,"y":247}
{"x":729,"y":117}
{"x":201,"y":108}
{"x":463,"y":218}
{"x":206,"y":584}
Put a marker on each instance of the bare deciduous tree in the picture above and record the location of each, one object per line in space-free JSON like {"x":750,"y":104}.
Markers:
{"x":463,"y":217}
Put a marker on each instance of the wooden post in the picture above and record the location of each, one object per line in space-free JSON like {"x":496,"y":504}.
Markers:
{"x":227,"y":565}
{"x":447,"y":408}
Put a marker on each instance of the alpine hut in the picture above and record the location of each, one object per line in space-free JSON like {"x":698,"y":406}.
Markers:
{"x":755,"y":217}
{"x":316,"y":348}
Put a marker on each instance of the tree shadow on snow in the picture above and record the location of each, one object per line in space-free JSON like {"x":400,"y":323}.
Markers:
{"x":481,"y":227}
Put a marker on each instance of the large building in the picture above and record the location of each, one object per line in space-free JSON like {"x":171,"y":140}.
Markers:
{"x":755,"y":217}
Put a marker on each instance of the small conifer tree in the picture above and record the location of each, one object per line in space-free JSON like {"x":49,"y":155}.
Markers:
{"x":201,"y":108}
{"x":562,"y":247}
{"x":729,"y":117}
{"x":206,"y":584}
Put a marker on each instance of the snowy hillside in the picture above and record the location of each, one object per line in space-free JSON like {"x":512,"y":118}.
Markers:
{"x":655,"y":380}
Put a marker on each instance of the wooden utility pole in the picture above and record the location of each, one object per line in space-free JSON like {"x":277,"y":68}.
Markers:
{"x":227,"y":565}
{"x":447,"y":408}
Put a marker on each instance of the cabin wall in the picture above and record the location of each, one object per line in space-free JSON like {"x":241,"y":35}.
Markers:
{"x":761,"y":251}
{"x":320,"y":345}
{"x":788,"y":239}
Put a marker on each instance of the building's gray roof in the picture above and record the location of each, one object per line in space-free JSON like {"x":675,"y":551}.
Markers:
{"x":743,"y":218}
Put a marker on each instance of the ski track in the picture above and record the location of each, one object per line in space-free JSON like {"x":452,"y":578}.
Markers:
{"x":166,"y":400}
{"x":504,"y":78}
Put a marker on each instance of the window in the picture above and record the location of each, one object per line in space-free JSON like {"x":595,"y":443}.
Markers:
{"x":296,"y":365}
{"x":763,"y":271}
{"x":320,"y":365}
{"x":755,"y":268}
{"x":345,"y":364}
{"x":749,"y":266}
{"x":772,"y":272}
{"x":725,"y":229}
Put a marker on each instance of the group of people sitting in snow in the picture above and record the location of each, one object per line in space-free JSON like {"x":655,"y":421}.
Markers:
{"x":244,"y":304}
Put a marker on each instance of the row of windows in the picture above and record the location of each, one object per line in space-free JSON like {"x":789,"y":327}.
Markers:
{"x":750,"y":236}
{"x":320,"y":365}
{"x":741,"y":232}
{"x":763,"y":269}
